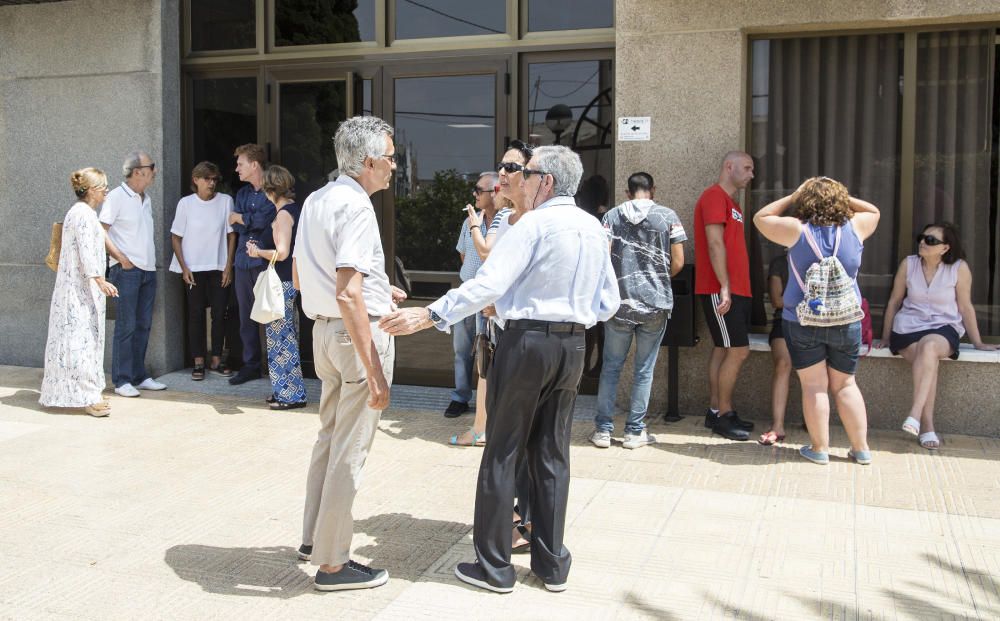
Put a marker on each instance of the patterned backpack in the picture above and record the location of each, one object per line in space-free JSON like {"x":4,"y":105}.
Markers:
{"x":828,"y":295}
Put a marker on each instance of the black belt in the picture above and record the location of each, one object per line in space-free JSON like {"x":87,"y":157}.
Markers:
{"x":537,"y":325}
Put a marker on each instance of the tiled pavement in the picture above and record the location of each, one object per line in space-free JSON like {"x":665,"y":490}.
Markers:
{"x":188,"y":506}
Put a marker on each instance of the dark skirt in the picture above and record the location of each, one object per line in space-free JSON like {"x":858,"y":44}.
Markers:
{"x":899,"y":342}
{"x":776,"y":332}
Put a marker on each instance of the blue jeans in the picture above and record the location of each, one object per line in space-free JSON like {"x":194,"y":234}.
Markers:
{"x":463,"y":335}
{"x":617,"y":341}
{"x":136,"y":293}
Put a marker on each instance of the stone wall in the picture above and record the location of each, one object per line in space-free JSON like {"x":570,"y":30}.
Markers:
{"x":81,"y":84}
{"x":684,"y":63}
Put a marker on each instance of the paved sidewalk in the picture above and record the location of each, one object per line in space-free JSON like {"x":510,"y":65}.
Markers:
{"x":188,"y":506}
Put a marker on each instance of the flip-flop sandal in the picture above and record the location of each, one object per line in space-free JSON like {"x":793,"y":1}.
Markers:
{"x":911,"y":426}
{"x":478,"y":439}
{"x":769,"y":437}
{"x":526,"y":535}
{"x":98,"y":410}
{"x":930,"y":441}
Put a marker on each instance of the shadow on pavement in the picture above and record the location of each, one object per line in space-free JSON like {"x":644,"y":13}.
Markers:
{"x":28,"y":399}
{"x":251,"y":572}
{"x":412,"y":548}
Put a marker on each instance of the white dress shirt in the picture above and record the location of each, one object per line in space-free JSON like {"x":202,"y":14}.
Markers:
{"x":553,"y":266}
{"x":338,"y":228}
{"x":130,"y":217}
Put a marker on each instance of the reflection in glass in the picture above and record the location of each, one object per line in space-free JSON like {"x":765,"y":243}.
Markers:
{"x":223,"y":25}
{"x":309,"y":115}
{"x":570,"y":103}
{"x":224,"y":116}
{"x":570,"y":14}
{"x":308,"y":22}
{"x":419,"y":19}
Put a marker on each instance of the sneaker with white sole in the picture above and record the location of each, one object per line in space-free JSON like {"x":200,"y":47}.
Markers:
{"x":127,"y":390}
{"x":305,"y":552}
{"x":600,"y":439}
{"x":635,"y":440}
{"x":472,"y":573}
{"x":351,"y":576}
{"x":151,"y":384}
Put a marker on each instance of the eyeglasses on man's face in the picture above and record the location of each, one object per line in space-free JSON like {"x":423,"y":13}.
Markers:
{"x":478,"y":190}
{"x":527,"y":172}
{"x":509,"y":167}
{"x":392,"y":157}
{"x":151,"y":166}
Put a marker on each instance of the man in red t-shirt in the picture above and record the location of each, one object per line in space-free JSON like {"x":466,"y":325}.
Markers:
{"x":722,"y":282}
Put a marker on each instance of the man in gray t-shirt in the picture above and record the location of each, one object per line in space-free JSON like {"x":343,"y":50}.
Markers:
{"x":646,"y":242}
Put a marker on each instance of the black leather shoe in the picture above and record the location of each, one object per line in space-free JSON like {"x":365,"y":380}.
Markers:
{"x":242,"y":377}
{"x":726,"y":426}
{"x":456,"y":409}
{"x":710,"y":417}
{"x":743,"y":424}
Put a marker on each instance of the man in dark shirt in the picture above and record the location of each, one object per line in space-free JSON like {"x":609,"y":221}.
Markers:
{"x":251,"y":216}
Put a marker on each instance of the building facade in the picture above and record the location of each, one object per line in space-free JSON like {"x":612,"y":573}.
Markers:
{"x":898,"y":99}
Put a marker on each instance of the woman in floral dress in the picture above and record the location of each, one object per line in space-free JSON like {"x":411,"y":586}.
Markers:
{"x":74,"y":352}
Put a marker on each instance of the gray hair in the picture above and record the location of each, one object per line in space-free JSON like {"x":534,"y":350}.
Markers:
{"x":132,"y":161}
{"x":563,"y":164}
{"x":357,"y":138}
{"x":492,"y":174}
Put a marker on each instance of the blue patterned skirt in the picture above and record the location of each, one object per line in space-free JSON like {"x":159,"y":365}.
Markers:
{"x":283,"y":362}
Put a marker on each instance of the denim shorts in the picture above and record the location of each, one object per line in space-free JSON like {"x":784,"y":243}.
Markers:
{"x":838,"y":346}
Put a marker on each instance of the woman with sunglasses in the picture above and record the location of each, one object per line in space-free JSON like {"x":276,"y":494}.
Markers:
{"x":929,"y":310}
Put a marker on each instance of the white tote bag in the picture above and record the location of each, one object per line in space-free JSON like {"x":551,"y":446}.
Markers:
{"x":268,"y":297}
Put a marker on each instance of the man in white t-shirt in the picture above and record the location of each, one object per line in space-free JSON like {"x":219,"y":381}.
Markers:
{"x":127,"y":215}
{"x":204,"y":245}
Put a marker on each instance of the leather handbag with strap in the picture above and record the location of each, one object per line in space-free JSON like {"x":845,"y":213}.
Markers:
{"x":484,"y":351}
{"x":55,"y":247}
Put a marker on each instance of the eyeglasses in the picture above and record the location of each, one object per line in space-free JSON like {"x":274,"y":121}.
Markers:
{"x":930,"y":240}
{"x":509,"y":167}
{"x":151,"y":166}
{"x":527,"y":172}
{"x":393,"y":157}
{"x":477,"y":191}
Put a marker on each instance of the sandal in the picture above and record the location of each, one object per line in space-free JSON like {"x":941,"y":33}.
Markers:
{"x":198,"y":373}
{"x":930,"y":441}
{"x":478,"y":439}
{"x":280,"y":405}
{"x":911,"y":426}
{"x":98,"y":410}
{"x":769,"y":437}
{"x":221,"y":369}
{"x":522,"y":548}
{"x":271,"y":399}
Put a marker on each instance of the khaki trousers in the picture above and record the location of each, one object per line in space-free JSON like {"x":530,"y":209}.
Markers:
{"x":347,"y":428}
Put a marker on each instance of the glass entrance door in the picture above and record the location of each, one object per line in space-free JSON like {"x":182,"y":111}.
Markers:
{"x":450,"y":124}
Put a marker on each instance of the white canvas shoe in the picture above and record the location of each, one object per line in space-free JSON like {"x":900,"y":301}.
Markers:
{"x":151,"y":384}
{"x":127,"y":390}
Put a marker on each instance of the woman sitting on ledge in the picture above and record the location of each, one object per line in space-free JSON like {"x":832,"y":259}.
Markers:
{"x":929,"y":310}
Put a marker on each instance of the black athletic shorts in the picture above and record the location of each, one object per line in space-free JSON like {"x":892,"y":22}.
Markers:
{"x":731,"y":329}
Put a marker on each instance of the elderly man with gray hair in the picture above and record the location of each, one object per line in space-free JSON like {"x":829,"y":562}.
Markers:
{"x":127,"y":216}
{"x":550,"y":277}
{"x":339,"y":268}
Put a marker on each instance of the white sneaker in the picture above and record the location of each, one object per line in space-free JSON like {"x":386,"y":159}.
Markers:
{"x":600,"y":439}
{"x":635,"y":440}
{"x":127,"y":390}
{"x":151,"y":384}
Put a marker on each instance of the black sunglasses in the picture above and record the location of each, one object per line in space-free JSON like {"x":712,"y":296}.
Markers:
{"x":151,"y":167}
{"x":509,"y":167}
{"x":930,"y":240}
{"x":477,"y":191}
{"x":527,"y":172}
{"x":526,"y":149}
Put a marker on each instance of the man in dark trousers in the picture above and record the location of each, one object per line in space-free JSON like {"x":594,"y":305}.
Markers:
{"x":251,"y":216}
{"x":550,"y":277}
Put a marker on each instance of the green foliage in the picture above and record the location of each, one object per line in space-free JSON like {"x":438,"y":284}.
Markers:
{"x":305,"y":22}
{"x":429,"y":221}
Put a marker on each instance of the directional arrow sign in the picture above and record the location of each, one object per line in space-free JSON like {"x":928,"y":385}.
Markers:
{"x":631,"y":128}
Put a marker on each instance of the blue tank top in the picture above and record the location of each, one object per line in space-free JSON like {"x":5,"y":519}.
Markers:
{"x":266,"y":242}
{"x":801,"y":255}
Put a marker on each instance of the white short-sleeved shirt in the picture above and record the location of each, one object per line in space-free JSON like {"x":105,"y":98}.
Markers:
{"x":337,"y":229}
{"x":130,"y":218}
{"x":203,"y":227}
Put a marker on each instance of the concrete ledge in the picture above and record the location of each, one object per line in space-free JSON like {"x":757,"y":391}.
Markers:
{"x":966,"y":352}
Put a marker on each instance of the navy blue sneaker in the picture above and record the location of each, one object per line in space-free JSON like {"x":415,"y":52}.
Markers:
{"x":351,"y":576}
